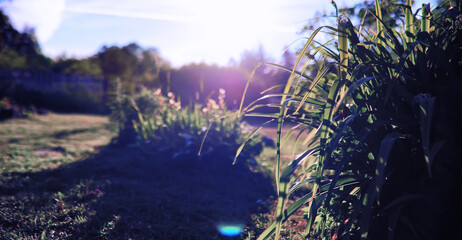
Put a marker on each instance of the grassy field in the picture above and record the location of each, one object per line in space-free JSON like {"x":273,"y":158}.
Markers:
{"x":47,"y":141}
{"x":62,"y":179}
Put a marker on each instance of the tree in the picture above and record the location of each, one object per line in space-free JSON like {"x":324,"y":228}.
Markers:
{"x":132,"y":65}
{"x":20,"y":50}
{"x":85,"y":66}
{"x":148,"y":69}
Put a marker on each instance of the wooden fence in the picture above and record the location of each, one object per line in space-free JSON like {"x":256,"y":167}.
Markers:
{"x":49,"y":82}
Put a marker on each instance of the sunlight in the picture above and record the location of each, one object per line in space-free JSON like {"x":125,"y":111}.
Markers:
{"x":214,"y":31}
{"x":236,"y":25}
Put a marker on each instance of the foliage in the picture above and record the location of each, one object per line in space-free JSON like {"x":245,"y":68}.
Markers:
{"x":23,"y":43}
{"x":160,"y":125}
{"x":11,"y":59}
{"x":20,"y":49}
{"x":131,"y":64}
{"x":85,"y":66}
{"x":381,"y":158}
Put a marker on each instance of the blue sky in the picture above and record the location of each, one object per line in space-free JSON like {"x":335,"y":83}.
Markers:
{"x":184,"y":31}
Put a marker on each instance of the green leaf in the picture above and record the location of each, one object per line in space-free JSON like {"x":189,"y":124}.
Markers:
{"x":426,"y":105}
{"x":384,"y":152}
{"x":301,"y":55}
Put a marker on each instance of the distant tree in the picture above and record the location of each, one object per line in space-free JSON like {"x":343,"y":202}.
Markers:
{"x":392,"y":12}
{"x":23,"y":43}
{"x":118,"y":63}
{"x":10,"y":59}
{"x":197,"y":82}
{"x":85,"y":66}
{"x":148,"y":69}
{"x":132,"y":65}
{"x":15,"y":47}
{"x":288,"y":59}
{"x":250,"y":59}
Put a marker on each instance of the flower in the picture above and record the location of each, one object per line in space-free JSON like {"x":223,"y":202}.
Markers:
{"x":171,"y":103}
{"x":221,"y":98}
{"x":211,"y":104}
{"x":158,"y":92}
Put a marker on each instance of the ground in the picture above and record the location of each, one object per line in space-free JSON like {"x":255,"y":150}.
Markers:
{"x":61,"y":178}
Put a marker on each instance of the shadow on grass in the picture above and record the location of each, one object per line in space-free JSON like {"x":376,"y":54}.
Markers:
{"x":67,"y":133}
{"x":120,"y":193}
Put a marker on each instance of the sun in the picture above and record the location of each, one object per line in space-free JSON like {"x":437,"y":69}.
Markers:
{"x":235,"y":25}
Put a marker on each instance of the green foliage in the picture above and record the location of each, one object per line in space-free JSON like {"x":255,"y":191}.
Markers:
{"x":195,"y":135}
{"x":20,"y":49}
{"x":132,"y":65}
{"x":25,"y":43}
{"x":11,"y":59}
{"x":381,"y":161}
{"x":86,"y":66}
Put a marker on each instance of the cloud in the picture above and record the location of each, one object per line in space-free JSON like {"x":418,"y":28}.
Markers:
{"x":44,"y":15}
{"x":208,"y":13}
{"x":124,"y":13}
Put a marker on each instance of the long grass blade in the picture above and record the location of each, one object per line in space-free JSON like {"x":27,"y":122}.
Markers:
{"x":426,"y":105}
{"x":315,"y":82}
{"x":241,"y":147}
{"x":425,"y":22}
{"x":203,"y":139}
{"x":378,"y":13}
{"x":281,"y":192}
{"x":247,"y":87}
{"x":324,"y":135}
{"x":300,"y":56}
{"x":386,"y":146}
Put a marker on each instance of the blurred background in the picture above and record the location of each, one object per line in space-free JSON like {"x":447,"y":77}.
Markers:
{"x":65,"y":55}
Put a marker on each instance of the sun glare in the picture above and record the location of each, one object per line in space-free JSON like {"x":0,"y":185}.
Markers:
{"x":235,"y":24}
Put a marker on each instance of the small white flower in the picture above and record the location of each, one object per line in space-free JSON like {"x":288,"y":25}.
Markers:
{"x":158,"y":92}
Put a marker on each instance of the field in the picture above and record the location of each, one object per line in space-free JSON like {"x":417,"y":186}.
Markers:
{"x":62,"y":178}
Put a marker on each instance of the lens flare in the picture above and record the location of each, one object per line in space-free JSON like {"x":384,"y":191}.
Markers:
{"x":230,"y":230}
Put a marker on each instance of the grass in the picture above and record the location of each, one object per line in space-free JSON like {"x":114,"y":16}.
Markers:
{"x":61,"y":178}
{"x":47,"y":141}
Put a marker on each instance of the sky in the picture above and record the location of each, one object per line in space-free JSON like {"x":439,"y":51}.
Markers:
{"x":183,"y":31}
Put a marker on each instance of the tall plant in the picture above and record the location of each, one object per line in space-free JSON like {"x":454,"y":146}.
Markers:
{"x":381,"y":158}
{"x":175,"y":134}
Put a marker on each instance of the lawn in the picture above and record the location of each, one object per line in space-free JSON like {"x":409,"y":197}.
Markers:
{"x":62,"y":178}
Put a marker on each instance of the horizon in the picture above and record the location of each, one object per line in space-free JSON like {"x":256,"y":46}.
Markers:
{"x":184,"y":32}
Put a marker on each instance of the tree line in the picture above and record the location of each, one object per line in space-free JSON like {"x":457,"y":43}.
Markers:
{"x":135,"y":67}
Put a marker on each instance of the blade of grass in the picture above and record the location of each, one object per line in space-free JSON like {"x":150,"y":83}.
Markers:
{"x":425,"y":23}
{"x":300,"y":56}
{"x":378,"y":13}
{"x":241,"y":147}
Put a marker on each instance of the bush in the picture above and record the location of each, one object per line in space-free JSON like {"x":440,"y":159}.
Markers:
{"x":160,"y":126}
